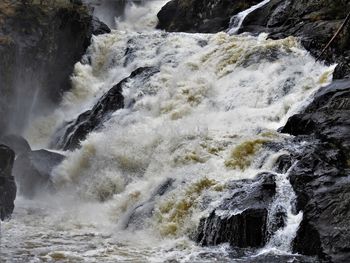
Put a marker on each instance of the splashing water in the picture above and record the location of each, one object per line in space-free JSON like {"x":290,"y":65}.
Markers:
{"x":137,"y":188}
{"x":237,"y":20}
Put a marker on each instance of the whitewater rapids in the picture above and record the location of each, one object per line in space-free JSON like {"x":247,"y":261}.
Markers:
{"x":212,"y":94}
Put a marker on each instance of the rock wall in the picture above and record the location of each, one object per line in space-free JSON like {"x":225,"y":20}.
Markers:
{"x":321,"y":176}
{"x":39,"y":45}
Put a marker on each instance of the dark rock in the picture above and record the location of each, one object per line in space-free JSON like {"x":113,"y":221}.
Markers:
{"x":241,"y":219}
{"x":283,"y":163}
{"x":7,"y":182}
{"x":72,"y":133}
{"x":76,"y":2}
{"x":321,"y":174}
{"x":33,"y":171}
{"x":327,"y":117}
{"x":98,"y":27}
{"x":321,"y":180}
{"x":206,"y":16}
{"x":39,"y":46}
{"x":16,"y":142}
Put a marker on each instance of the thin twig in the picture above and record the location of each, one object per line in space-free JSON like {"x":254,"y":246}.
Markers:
{"x":335,"y":36}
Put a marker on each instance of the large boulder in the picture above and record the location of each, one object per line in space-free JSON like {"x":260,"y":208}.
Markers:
{"x":205,"y":16}
{"x":72,"y":133}
{"x":7,"y":182}
{"x":39,"y":46}
{"x":33,"y":171}
{"x":242,"y":218}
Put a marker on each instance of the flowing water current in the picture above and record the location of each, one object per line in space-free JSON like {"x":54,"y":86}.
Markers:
{"x":211,"y":93}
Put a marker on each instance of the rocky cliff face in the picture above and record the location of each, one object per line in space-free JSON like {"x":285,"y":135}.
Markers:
{"x":321,"y":176}
{"x":39,"y":45}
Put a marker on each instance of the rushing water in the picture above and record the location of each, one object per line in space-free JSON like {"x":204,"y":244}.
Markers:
{"x":213,"y":92}
{"x":237,"y":20}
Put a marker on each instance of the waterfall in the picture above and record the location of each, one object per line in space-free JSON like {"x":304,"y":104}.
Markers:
{"x":237,"y":20}
{"x":139,"y":184}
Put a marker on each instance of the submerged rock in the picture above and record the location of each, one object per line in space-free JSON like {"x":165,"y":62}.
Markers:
{"x":72,"y":133}
{"x":33,"y":171}
{"x":7,"y":182}
{"x":205,"y":16}
{"x":242,"y":218}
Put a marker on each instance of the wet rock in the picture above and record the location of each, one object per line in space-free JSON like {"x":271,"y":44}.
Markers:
{"x":283,"y":163}
{"x":72,"y":133}
{"x":98,"y":27}
{"x":327,"y":117}
{"x":321,"y":180}
{"x":242,"y":218}
{"x":33,"y":171}
{"x":208,"y":16}
{"x":321,"y":174}
{"x":7,"y":182}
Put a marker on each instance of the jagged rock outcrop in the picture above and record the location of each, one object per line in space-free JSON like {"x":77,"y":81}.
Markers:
{"x":33,"y":171}
{"x":7,"y":182}
{"x":321,"y":175}
{"x":242,"y":218}
{"x":73,"y":132}
{"x":205,"y":16}
{"x":39,"y":45}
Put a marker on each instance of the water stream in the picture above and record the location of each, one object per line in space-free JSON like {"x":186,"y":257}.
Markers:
{"x":213,"y":92}
{"x":237,"y":20}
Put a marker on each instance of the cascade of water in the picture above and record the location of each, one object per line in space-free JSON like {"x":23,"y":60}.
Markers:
{"x":163,"y":161}
{"x":237,"y":20}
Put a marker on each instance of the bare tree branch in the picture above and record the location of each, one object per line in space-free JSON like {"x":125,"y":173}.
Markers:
{"x":335,"y":36}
